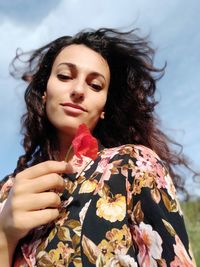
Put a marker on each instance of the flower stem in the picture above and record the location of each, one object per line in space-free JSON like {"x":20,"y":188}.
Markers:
{"x":68,"y":153}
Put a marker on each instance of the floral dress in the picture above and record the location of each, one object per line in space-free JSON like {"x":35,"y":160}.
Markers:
{"x":118,"y":210}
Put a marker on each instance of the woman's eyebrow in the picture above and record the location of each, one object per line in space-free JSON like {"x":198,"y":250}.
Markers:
{"x":70,"y":65}
{"x":75,"y":69}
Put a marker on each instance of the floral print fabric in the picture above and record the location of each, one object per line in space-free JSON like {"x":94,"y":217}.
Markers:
{"x":119,"y":210}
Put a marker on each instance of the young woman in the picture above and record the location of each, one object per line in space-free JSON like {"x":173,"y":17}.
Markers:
{"x":116,"y":207}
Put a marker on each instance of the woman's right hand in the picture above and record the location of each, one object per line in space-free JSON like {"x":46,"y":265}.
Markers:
{"x":33,"y":200}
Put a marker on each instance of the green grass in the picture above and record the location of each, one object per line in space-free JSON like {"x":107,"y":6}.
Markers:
{"x":191,"y":211}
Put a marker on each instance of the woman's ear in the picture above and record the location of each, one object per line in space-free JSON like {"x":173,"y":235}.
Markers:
{"x":102,"y":116}
{"x":44,"y":97}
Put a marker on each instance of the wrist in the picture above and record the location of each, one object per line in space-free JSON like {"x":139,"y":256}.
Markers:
{"x":7,"y":249}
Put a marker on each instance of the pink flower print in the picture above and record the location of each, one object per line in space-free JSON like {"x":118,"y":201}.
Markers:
{"x":122,"y":260}
{"x":108,"y":170}
{"x":143,"y":164}
{"x":81,"y":164}
{"x":147,"y":153}
{"x":105,"y":177}
{"x":29,"y":252}
{"x":129,"y":192}
{"x":181,"y":258}
{"x":102,"y":164}
{"x":84,"y":211}
{"x":149,"y":243}
{"x":110,"y":153}
{"x":161,"y":181}
{"x":170,"y":187}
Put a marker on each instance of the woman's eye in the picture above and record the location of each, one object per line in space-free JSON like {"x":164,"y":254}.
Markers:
{"x":96,"y":87}
{"x":64,"y":77}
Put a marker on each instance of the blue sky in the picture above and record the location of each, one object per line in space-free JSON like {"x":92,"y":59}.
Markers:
{"x":174,"y":31}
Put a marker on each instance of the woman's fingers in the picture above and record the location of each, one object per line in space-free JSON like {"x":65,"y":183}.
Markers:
{"x":45,"y":216}
{"x":22,"y":222}
{"x":48,"y":182}
{"x":44,"y":168}
{"x":37,"y":202}
{"x":44,"y":183}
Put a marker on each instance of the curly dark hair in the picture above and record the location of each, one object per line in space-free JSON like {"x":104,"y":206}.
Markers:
{"x":130,"y":108}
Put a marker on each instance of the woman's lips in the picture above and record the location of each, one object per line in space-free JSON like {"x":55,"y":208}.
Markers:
{"x":73,"y":108}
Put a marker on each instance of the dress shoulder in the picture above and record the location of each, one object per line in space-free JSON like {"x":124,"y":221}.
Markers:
{"x":139,"y":155}
{"x":130,"y":149}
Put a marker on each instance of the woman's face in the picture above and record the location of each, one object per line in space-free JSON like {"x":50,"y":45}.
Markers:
{"x":77,"y":89}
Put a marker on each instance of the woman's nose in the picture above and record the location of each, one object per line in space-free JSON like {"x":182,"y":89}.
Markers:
{"x":78,"y":92}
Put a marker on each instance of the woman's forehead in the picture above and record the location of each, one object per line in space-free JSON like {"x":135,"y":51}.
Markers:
{"x":84,"y":58}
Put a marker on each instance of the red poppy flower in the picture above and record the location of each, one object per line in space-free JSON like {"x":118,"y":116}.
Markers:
{"x":84,"y":144}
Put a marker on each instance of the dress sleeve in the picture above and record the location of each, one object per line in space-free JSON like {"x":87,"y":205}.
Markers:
{"x":156,"y":220}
